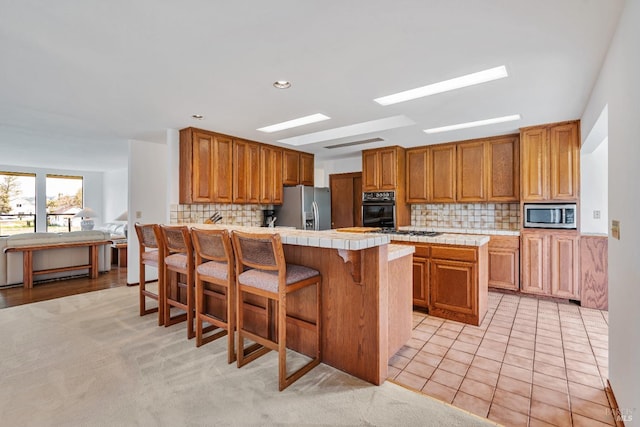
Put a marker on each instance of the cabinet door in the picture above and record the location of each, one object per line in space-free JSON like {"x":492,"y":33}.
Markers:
{"x":271,"y":180}
{"x":222,"y":170}
{"x":306,"y":169}
{"x":453,"y":289}
{"x":471,"y":176}
{"x":504,"y":262}
{"x":290,"y":167}
{"x":442,"y":173}
{"x":565,"y":266}
{"x":421,"y":282}
{"x":370,"y":173}
{"x":535,"y":164}
{"x":388,"y":169}
{"x":202,"y":167}
{"x":534,"y":263}
{"x":503,"y":169}
{"x":417,"y":188}
{"x":246,"y":172}
{"x":564,"y":150}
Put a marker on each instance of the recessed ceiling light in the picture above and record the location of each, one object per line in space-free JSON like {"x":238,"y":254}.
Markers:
{"x":445,"y":86}
{"x":295,"y":123}
{"x":350,"y":130}
{"x":474,"y":124}
{"x":197,"y":116}
{"x":282,"y":84}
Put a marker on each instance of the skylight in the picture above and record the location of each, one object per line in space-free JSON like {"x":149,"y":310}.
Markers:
{"x":295,"y":123}
{"x":474,"y":124}
{"x":445,"y":86}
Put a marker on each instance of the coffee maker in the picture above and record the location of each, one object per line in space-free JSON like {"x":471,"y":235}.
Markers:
{"x":268,"y":216}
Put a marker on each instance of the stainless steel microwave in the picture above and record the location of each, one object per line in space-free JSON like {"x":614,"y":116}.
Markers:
{"x":550,"y":215}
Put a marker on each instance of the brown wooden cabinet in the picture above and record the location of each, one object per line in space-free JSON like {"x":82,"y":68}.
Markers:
{"x":246,"y":171}
{"x":307,"y":169}
{"x":441,"y":173}
{"x":380,"y":168}
{"x":297,"y":168}
{"x":503,"y":169}
{"x":450,"y":281}
{"x":550,"y":263}
{"x":346,"y":199}
{"x":421,"y":276}
{"x":271,"y":177}
{"x":550,"y":157}
{"x":471,"y":172}
{"x":416,"y":173}
{"x":205,"y":167}
{"x":504,"y":262}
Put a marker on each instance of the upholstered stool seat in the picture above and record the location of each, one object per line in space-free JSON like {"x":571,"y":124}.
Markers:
{"x":268,"y":280}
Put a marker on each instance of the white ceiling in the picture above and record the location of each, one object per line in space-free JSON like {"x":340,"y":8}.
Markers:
{"x":80,"y":78}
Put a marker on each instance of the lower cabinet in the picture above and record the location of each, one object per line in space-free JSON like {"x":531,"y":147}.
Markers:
{"x":504,"y":262}
{"x":550,"y":263}
{"x":451,"y":281}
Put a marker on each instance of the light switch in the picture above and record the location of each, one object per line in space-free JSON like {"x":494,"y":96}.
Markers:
{"x":615,"y":229}
{"x":596,"y":214}
{"x":138,"y":214}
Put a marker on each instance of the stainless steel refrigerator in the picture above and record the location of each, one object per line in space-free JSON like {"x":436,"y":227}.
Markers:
{"x":305,"y":208}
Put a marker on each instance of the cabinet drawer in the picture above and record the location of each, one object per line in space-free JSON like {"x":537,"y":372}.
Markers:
{"x":454,"y":254}
{"x":506,"y":242}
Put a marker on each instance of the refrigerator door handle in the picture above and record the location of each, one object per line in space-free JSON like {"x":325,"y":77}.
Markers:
{"x":316,"y":216}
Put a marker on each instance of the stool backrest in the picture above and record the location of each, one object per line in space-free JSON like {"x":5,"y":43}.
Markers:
{"x":258,"y":250}
{"x":212,"y":245}
{"x":176,"y":239}
{"x":147,"y":235}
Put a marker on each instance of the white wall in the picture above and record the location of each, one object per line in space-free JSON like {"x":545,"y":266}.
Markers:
{"x":328,"y":167}
{"x":594,"y":194}
{"x":92,"y":183}
{"x":147,"y":197}
{"x":116,"y":190}
{"x":618,"y":88}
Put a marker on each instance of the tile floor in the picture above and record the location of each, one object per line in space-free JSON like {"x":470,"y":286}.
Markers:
{"x":530,"y":363}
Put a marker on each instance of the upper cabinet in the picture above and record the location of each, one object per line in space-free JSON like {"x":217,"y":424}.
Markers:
{"x":297,"y":168}
{"x":381,"y":168}
{"x":481,"y":170}
{"x":205,"y":167}
{"x":271,"y":176}
{"x":550,"y":162}
{"x":246,"y":171}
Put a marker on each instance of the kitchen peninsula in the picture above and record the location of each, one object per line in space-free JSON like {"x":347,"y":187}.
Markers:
{"x":366,"y":297}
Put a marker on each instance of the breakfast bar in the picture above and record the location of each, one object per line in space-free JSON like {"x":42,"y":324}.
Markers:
{"x":366,"y":297}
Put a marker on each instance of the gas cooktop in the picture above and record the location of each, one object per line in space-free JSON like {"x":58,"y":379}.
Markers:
{"x":410,"y":232}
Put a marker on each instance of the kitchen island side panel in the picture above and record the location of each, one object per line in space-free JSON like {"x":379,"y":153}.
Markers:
{"x":355,"y":307}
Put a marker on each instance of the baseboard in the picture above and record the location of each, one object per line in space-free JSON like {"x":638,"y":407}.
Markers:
{"x":618,"y":416}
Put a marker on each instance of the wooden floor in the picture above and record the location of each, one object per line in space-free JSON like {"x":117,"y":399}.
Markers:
{"x":13,"y":296}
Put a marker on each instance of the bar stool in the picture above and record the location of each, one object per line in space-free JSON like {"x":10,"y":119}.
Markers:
{"x":215,"y":287}
{"x":261,"y":271}
{"x":150,"y":253}
{"x":178,"y":251}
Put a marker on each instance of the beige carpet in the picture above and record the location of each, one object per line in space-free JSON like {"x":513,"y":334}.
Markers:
{"x":90,"y":360}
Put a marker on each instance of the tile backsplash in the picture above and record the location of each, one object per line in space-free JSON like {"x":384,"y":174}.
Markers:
{"x":247,"y":215}
{"x":488,"y":216}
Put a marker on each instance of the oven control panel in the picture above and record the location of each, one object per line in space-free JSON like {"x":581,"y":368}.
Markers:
{"x":379,"y":196}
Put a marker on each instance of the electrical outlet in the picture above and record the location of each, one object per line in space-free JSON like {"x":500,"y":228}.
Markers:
{"x":596,"y":214}
{"x":615,"y":229}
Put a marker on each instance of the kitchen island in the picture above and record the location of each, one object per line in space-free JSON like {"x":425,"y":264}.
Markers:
{"x":366,"y":313}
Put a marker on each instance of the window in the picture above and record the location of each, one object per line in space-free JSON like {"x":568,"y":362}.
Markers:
{"x":17,"y":203}
{"x":64,"y":200}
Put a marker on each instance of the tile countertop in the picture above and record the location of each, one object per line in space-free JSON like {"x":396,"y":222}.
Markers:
{"x":465,"y":231}
{"x":398,"y":251}
{"x":445,"y":238}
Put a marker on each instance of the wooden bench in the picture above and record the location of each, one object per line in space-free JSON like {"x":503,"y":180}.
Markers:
{"x":27,"y":258}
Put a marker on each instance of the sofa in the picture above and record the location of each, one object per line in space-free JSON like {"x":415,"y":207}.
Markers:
{"x":11,"y":263}
{"x":117,"y":230}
